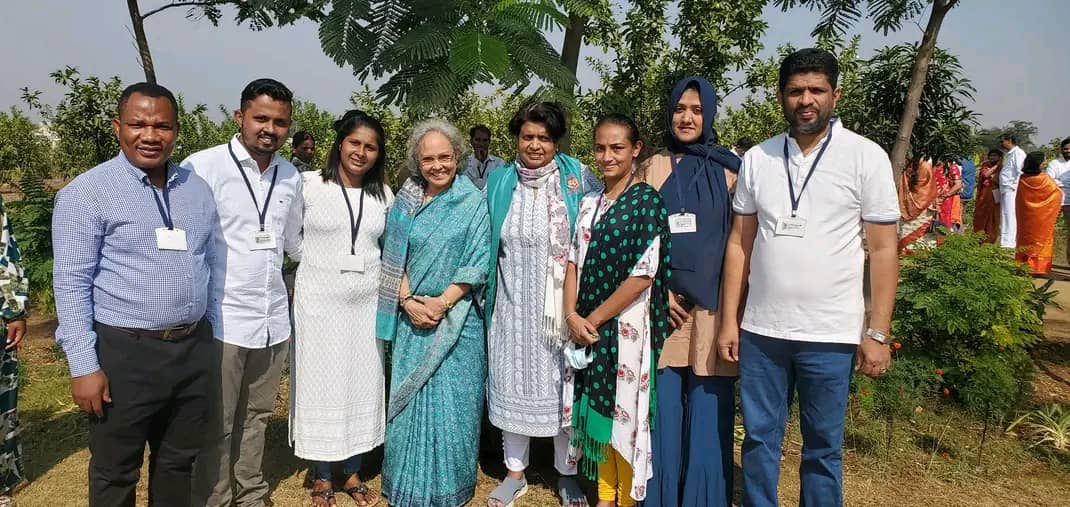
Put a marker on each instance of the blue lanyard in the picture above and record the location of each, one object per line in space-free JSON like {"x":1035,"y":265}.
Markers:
{"x":354,"y":225}
{"x":678,"y":176}
{"x":598,"y":206}
{"x":262,"y":213}
{"x":791,"y":186}
{"x":165,"y":206}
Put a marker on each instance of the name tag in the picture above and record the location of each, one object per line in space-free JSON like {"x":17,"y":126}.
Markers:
{"x":263,"y":240}
{"x":352,"y":264}
{"x":682,"y":223}
{"x":791,"y":226}
{"x":171,"y":239}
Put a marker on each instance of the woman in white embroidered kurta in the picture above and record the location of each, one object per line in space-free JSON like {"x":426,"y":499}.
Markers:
{"x":337,"y":396}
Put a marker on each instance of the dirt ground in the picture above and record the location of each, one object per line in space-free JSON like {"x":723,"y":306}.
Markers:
{"x":54,"y":444}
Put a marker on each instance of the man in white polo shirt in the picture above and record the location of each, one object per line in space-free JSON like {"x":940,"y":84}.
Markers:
{"x":1008,"y":190}
{"x":802,"y":202}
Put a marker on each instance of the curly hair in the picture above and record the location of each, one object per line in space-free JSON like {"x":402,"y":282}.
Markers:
{"x":461,"y":149}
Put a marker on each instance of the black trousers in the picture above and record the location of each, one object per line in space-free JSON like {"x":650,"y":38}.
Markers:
{"x":160,"y":396}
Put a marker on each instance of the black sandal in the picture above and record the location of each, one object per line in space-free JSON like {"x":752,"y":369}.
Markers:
{"x":364,"y":491}
{"x":326,"y":495}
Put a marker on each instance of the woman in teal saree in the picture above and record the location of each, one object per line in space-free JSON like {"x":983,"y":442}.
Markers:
{"x":435,"y":260}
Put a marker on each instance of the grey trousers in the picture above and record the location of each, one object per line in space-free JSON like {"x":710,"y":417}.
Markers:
{"x":244,"y":385}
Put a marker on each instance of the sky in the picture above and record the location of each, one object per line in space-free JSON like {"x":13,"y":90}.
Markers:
{"x":1013,"y":51}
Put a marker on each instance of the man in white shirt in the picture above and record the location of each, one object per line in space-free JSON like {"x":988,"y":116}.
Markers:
{"x":480,"y":163}
{"x":803,"y":200}
{"x":1008,"y":190}
{"x":260,"y":203}
{"x":1059,"y":170}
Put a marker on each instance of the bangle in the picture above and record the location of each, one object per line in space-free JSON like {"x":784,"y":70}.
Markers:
{"x":569,"y":316}
{"x":446,"y":303}
{"x":405,"y":300}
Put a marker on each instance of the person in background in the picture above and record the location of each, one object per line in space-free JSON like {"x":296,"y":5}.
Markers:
{"x":693,"y":432}
{"x":948,"y":178}
{"x":260,"y":200}
{"x":14,"y":288}
{"x":969,"y":178}
{"x":480,"y":163}
{"x":337,"y":394}
{"x":533,"y":203}
{"x":986,"y":215}
{"x":1059,"y":170}
{"x":917,"y":197}
{"x":741,"y":146}
{"x":435,"y":259}
{"x":1008,"y":185}
{"x":616,"y":299}
{"x":794,"y":265}
{"x":304,"y":151}
{"x":135,"y":242}
{"x":1039,"y":202}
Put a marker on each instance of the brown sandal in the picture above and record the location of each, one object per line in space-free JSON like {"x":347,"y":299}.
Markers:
{"x":364,"y":491}
{"x":327,"y":495}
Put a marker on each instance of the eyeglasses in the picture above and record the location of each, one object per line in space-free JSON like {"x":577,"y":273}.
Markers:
{"x":427,"y":162}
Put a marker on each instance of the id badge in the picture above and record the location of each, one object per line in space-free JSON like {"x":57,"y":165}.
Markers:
{"x":352,"y":264}
{"x":171,"y":239}
{"x":263,"y":240}
{"x":682,"y":223}
{"x":791,"y":226}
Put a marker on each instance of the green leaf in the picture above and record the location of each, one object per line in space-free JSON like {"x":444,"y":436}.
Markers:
{"x":476,"y":55}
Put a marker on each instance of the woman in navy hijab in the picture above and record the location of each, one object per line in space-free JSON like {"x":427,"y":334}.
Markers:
{"x":693,"y":447}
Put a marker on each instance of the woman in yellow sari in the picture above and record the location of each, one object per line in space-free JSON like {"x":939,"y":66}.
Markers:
{"x":986,"y":208}
{"x":1038,"y":204}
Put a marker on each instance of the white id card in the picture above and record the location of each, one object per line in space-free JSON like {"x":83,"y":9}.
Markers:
{"x":262,"y":240}
{"x":352,"y":264}
{"x":791,"y":226}
{"x":171,"y":239}
{"x":682,"y":223}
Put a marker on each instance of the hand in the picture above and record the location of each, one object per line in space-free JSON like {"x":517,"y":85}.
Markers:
{"x":16,"y":329}
{"x":677,"y":314}
{"x":581,"y":330}
{"x":421,"y":316}
{"x":728,"y":341}
{"x":873,"y":358}
{"x":435,"y":304}
{"x":91,"y":392}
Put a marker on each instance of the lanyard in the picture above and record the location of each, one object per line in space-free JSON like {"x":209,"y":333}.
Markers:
{"x":354,"y":225}
{"x":165,"y":206}
{"x":262,"y":213}
{"x":594,"y":217}
{"x":678,"y":177}
{"x":791,"y":186}
{"x":483,"y":167}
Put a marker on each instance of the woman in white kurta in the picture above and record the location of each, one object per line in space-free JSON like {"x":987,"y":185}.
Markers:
{"x":337,"y":396}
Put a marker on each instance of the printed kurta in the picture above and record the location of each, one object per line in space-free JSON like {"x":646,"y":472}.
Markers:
{"x":437,"y":375}
{"x":14,"y":288}
{"x":338,"y":391}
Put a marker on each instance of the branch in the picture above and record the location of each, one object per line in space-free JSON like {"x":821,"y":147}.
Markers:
{"x":202,"y":3}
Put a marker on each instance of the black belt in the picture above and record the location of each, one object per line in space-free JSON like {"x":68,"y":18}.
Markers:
{"x":172,"y":334}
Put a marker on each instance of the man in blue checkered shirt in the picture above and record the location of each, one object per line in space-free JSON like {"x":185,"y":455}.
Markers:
{"x":133,"y":240}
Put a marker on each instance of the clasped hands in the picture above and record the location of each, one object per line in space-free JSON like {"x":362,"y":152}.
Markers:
{"x":425,"y":312}
{"x":582,"y":330}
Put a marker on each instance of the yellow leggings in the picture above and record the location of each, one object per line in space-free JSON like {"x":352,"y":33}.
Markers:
{"x":615,"y":479}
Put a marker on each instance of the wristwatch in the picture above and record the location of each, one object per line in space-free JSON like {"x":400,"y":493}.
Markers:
{"x":878,"y":336}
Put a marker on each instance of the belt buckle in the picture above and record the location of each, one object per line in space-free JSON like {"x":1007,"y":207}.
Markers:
{"x":167,"y":334}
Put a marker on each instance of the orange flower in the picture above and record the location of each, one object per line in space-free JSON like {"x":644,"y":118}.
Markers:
{"x":947,"y":391}
{"x":945,"y":455}
{"x":865,"y":392}
{"x":900,"y":391}
{"x":940,"y":371}
{"x":897,"y":345}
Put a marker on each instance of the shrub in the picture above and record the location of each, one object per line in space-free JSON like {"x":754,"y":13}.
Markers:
{"x":1048,"y":425}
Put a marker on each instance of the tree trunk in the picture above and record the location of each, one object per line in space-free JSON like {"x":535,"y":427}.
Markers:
{"x":917,"y":85}
{"x":570,"y":50}
{"x":142,"y":41}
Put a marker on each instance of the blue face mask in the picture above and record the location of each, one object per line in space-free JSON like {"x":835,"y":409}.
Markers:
{"x":577,"y":357}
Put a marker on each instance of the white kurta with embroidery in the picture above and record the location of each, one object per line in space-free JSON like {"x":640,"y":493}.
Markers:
{"x":631,"y":415}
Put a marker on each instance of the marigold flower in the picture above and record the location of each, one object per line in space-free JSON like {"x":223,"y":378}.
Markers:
{"x":897,"y":345}
{"x":946,"y":391}
{"x":940,"y":371}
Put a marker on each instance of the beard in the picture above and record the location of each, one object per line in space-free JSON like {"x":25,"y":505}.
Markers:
{"x":814,"y":127}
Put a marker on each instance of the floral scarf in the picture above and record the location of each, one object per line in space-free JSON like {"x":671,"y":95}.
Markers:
{"x":553,"y":311}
